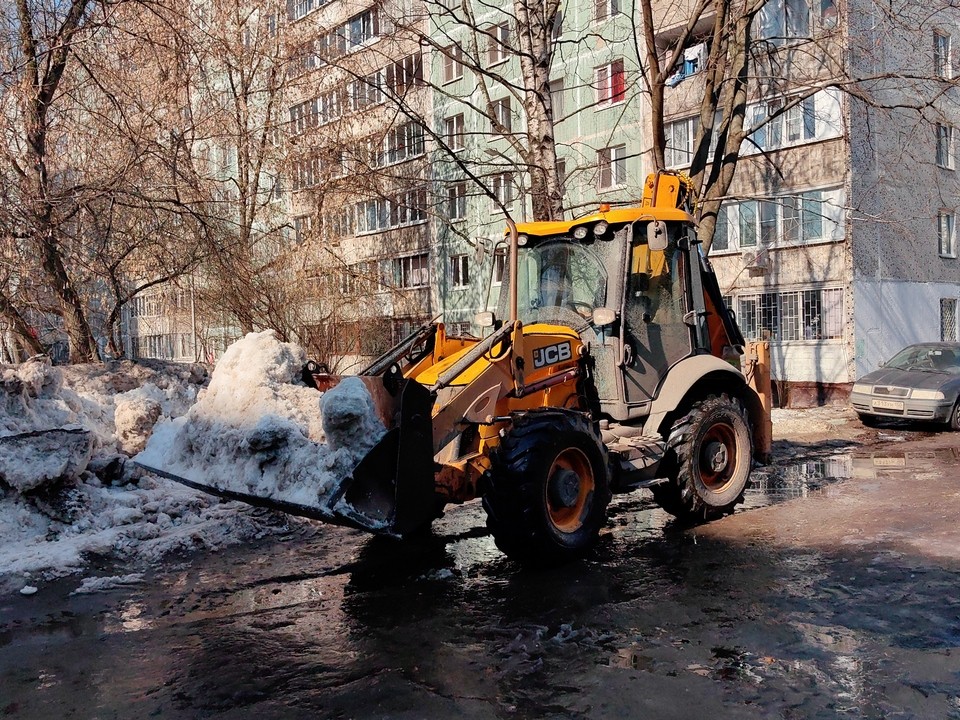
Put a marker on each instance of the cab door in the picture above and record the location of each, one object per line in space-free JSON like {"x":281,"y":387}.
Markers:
{"x":654,"y":334}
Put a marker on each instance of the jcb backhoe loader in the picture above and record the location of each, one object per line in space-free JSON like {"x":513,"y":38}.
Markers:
{"x":606,"y":370}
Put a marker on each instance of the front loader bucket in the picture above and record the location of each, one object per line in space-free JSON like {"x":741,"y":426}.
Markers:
{"x":391,"y":489}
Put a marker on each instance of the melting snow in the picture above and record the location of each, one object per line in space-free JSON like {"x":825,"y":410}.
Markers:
{"x":259,"y":430}
{"x":67,"y":491}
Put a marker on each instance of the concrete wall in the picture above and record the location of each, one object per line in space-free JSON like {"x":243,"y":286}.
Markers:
{"x":890,"y":314}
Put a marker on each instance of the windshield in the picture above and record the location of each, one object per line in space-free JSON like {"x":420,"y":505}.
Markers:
{"x":560,"y":282}
{"x":927,"y":358}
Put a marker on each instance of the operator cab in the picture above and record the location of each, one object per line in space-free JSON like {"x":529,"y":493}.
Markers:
{"x":628,"y":301}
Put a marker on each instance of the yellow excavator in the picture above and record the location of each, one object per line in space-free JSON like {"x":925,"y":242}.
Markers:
{"x":610,"y":365}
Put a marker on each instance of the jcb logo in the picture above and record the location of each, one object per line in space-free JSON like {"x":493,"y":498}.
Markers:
{"x":552,"y":354}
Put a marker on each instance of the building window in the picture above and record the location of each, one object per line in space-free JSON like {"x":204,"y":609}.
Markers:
{"x":948,"y":319}
{"x":556,"y":99}
{"x":365,"y":91}
{"x":784,"y":20}
{"x":498,"y":41}
{"x":611,"y":83}
{"x":499,"y":265}
{"x":452,"y":65}
{"x":459,"y":271}
{"x":453,"y":132}
{"x":777,"y":128}
{"x":402,"y":143}
{"x":811,"y":216}
{"x":302,"y":225}
{"x":945,"y":146}
{"x":612,"y":163}
{"x":412,"y":271}
{"x":457,"y":201}
{"x":362,"y":28}
{"x":942,"y":60}
{"x":602,"y":9}
{"x":408,"y":208}
{"x":458,"y":329}
{"x":502,"y":115}
{"x":300,"y":8}
{"x":679,"y":136}
{"x":404,"y":74}
{"x":501,"y":185}
{"x":945,"y":235}
{"x":812,"y":314}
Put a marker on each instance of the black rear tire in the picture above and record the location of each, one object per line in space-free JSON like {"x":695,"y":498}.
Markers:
{"x":709,"y":454}
{"x":548,"y":489}
{"x":870,"y":421}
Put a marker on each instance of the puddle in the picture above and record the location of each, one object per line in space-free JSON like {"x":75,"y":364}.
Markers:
{"x":778,"y":483}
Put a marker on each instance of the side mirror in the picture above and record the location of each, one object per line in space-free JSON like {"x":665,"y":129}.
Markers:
{"x":484,"y":319}
{"x":657,"y":239}
{"x":603,"y":316}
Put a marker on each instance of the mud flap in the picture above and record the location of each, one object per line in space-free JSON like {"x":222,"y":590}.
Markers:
{"x":392,"y":488}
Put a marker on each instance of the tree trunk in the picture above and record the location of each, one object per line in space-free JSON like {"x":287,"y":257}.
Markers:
{"x":20,"y":326}
{"x":535,"y":44}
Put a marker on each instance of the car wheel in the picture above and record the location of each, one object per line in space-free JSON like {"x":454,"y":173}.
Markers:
{"x":954,"y":421}
{"x":870,"y":421}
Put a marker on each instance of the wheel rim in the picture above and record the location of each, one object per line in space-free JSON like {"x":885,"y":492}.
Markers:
{"x":570,"y":484}
{"x":717,"y":459}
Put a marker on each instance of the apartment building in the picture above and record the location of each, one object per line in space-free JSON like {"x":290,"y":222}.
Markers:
{"x":358,"y":174}
{"x":406,"y":125}
{"x":837,"y":243}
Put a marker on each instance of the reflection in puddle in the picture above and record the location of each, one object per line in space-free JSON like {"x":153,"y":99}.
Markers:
{"x":775,"y":483}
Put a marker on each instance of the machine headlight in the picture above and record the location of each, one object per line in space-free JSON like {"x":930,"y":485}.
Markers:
{"x":863,"y":388}
{"x":926,"y":395}
{"x":522,"y":240}
{"x":600,"y":228}
{"x":581,"y":232}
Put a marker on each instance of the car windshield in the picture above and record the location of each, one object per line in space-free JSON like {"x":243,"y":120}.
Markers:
{"x":927,"y":358}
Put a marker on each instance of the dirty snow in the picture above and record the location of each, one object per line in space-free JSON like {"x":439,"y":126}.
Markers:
{"x":67,"y":490}
{"x":257,"y":429}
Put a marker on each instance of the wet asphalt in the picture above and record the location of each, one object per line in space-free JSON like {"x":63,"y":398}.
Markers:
{"x":729,"y":620}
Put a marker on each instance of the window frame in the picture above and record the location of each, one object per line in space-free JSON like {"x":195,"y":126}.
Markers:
{"x":612,"y":160}
{"x":454,"y":132}
{"x":452,"y":65}
{"x":457,"y":201}
{"x":611,"y":83}
{"x":947,"y":249}
{"x":501,"y":185}
{"x":498,"y":44}
{"x":942,"y":56}
{"x":503,"y":112}
{"x":460,"y":271}
{"x":946,"y":146}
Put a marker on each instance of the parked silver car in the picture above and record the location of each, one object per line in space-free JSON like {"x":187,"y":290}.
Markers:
{"x":921,"y":382}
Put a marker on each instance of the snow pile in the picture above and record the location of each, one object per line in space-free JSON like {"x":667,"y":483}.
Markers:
{"x":257,"y":429}
{"x":66,"y":490}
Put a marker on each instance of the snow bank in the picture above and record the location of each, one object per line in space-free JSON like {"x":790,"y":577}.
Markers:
{"x":66,"y":490}
{"x":257,"y":429}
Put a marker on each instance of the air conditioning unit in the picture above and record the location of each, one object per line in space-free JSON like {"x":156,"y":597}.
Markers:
{"x":756,"y":262}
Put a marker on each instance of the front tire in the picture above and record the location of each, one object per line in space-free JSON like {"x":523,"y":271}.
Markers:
{"x":709,"y":453}
{"x":870,"y":421}
{"x":548,"y":488}
{"x":954,"y":422}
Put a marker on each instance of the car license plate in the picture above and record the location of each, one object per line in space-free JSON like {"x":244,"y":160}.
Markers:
{"x":889,"y":462}
{"x":888,"y":405}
